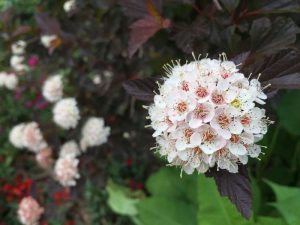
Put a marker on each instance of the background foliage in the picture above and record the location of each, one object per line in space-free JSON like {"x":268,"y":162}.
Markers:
{"x":130,"y":39}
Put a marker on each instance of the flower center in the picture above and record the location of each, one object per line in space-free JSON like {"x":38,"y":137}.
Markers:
{"x":188,"y":133}
{"x":236,"y":103}
{"x":201,"y":92}
{"x":185,"y":86}
{"x":224,"y":120}
{"x":225,"y":75}
{"x":217,"y":98}
{"x":208,"y":136}
{"x":200,"y":111}
{"x":197,"y":151}
{"x":234,"y":138}
{"x":181,"y":107}
{"x":245,"y":120}
{"x":221,"y":152}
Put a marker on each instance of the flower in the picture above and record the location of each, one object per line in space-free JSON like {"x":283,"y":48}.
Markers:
{"x":66,"y":171}
{"x":33,"y":61}
{"x":18,"y":48}
{"x":44,"y":158}
{"x":29,"y":211}
{"x":10,"y":81}
{"x":50,"y":41}
{"x":94,"y":133}
{"x":66,"y":113}
{"x":53,"y":88}
{"x":69,"y":5}
{"x":206,"y":114}
{"x":32,"y":137}
{"x":69,"y":149}
{"x":16,"y":135}
{"x":17,"y":63}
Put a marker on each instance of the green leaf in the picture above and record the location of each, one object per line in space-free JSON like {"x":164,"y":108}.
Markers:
{"x":166,"y":211}
{"x":168,"y":183}
{"x":287,"y":203}
{"x":215,"y":209}
{"x":119,"y":200}
{"x":288,"y":111}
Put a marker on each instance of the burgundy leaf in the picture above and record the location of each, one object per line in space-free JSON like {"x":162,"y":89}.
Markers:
{"x":142,"y":30}
{"x":283,"y":63}
{"x":47,"y":24}
{"x":235,"y":186}
{"x":140,"y":9}
{"x":291,"y":81}
{"x":186,"y":34}
{"x":267,"y":40}
{"x":241,"y":59}
{"x":142,"y":89}
{"x":21,"y":30}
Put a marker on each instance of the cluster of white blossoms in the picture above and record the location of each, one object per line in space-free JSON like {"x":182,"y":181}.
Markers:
{"x":94,"y":133}
{"x":27,"y":135}
{"x":70,"y":5}
{"x":8,"y":80}
{"x":17,"y":59}
{"x":66,"y":167}
{"x":66,"y":113}
{"x":50,"y":41}
{"x":53,"y":88}
{"x":29,"y":211}
{"x":205,"y":115}
{"x":69,"y":149}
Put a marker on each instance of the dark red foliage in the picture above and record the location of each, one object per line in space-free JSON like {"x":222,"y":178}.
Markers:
{"x":62,"y":196}
{"x":135,"y":185}
{"x":19,"y":189}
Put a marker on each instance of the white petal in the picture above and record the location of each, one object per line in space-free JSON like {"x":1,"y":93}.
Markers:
{"x":180,"y":144}
{"x":195,"y":139}
{"x":195,"y":123}
{"x":236,"y":127}
{"x":183,"y":155}
{"x":237,"y":149}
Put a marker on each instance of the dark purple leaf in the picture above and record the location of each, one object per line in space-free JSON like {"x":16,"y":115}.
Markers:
{"x":291,"y":81}
{"x":140,"y":9}
{"x":235,"y":186}
{"x":47,"y":24}
{"x":186,"y":34}
{"x":285,"y":62}
{"x":230,"y":5}
{"x":268,"y":5}
{"x":142,"y":30}
{"x":21,"y":30}
{"x":267,"y":40}
{"x":142,"y":89}
{"x":241,"y":59}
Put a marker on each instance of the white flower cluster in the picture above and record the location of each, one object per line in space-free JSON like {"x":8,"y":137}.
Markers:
{"x":66,"y":167}
{"x":50,"y":41}
{"x":66,"y":113}
{"x":8,"y":80}
{"x":94,"y":133}
{"x":27,"y":135}
{"x":69,"y":5}
{"x":53,"y":88}
{"x":29,"y":211}
{"x":17,"y":59}
{"x":205,"y":115}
